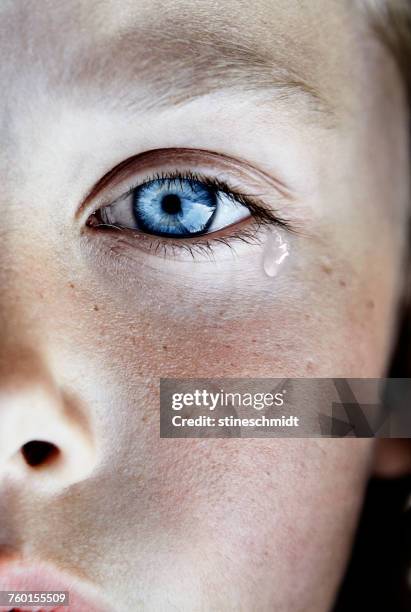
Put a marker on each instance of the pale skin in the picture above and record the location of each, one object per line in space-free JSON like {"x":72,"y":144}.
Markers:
{"x":91,"y":319}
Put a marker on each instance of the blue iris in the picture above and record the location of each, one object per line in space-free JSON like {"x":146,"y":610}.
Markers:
{"x":174,"y":207}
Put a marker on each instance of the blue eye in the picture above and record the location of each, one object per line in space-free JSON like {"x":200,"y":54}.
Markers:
{"x":176,"y":207}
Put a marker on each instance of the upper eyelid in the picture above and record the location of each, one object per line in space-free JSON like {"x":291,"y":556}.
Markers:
{"x":216,"y":184}
{"x":127,"y":168}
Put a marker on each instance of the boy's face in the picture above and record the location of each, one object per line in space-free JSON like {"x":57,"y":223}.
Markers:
{"x":293,"y":104}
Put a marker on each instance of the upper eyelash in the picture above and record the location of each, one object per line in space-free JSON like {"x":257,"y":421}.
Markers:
{"x":253,"y":203}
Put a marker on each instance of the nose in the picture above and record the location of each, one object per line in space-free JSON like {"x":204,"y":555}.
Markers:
{"x":45,"y":439}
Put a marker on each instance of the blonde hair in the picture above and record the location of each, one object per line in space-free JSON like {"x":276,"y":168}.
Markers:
{"x":391,"y":21}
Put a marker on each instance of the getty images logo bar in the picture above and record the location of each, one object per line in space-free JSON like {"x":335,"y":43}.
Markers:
{"x":286,"y":407}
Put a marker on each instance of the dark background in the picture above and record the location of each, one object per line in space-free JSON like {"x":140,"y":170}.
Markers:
{"x":378,"y":577}
{"x":379,"y":573}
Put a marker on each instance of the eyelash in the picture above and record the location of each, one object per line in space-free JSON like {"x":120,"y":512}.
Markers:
{"x":204,"y":244}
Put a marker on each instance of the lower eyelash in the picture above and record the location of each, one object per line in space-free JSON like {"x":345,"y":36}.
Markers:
{"x":199,"y":246}
{"x":205,"y":247}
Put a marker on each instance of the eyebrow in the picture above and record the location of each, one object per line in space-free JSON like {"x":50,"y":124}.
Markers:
{"x":180,"y":68}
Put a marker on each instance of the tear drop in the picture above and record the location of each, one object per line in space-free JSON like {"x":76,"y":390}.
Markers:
{"x":275,"y":253}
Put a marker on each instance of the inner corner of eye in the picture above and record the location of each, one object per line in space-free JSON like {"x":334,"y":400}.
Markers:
{"x":92,"y":220}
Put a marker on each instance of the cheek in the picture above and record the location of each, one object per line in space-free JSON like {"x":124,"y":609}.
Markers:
{"x":110,"y":338}
{"x":323,"y":317}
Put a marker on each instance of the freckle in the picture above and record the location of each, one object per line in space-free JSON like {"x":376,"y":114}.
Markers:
{"x":95,"y":307}
{"x":343,"y":283}
{"x":326,"y":266}
{"x":253,"y":340}
{"x":370,"y":304}
{"x":327,"y":269}
{"x":165,"y":347}
{"x":71,"y":285}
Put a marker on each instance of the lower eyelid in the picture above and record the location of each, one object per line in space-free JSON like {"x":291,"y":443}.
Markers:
{"x":246,"y":231}
{"x":200,"y":247}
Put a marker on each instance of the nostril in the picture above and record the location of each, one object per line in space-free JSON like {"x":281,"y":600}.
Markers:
{"x":38,"y":453}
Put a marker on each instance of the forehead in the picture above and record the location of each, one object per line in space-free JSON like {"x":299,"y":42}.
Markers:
{"x":106,"y":17}
{"x":92,"y":59}
{"x":103,"y":41}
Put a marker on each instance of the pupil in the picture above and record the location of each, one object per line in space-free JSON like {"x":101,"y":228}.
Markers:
{"x":171,"y":204}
